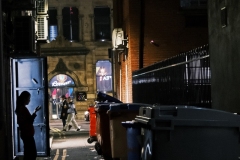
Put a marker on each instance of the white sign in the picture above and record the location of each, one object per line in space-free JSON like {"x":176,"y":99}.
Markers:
{"x":56,"y":83}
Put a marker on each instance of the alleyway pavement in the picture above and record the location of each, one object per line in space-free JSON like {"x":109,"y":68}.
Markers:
{"x":70,"y":145}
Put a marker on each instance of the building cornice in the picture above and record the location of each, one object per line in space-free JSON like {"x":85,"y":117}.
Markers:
{"x":66,"y":51}
{"x":62,"y":47}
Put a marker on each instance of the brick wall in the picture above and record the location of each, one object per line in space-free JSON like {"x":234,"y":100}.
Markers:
{"x":165,"y":24}
{"x":160,"y":21}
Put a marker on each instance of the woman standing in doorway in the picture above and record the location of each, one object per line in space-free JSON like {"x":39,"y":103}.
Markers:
{"x":25,"y":121}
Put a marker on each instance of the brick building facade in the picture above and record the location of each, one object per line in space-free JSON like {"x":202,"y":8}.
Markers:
{"x":156,"y":30}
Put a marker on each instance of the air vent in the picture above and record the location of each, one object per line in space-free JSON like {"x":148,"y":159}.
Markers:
{"x":42,"y":6}
{"x":42,"y":30}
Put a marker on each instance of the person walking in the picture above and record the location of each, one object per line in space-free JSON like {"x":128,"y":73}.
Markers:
{"x":64,"y":108}
{"x":71,"y":116}
{"x":25,"y":122}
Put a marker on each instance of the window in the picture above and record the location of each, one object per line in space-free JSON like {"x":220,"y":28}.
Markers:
{"x":42,"y":23}
{"x":70,"y":23}
{"x":52,"y":24}
{"x":102,"y":23}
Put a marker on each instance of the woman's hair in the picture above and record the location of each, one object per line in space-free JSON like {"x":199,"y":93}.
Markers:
{"x":21,"y":100}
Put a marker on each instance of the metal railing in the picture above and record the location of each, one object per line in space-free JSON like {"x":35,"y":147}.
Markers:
{"x":180,"y":80}
{"x":193,"y":4}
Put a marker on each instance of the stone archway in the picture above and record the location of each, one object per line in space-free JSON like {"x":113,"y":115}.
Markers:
{"x":61,"y":68}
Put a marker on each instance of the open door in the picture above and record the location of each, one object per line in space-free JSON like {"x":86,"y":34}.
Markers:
{"x":30,"y":74}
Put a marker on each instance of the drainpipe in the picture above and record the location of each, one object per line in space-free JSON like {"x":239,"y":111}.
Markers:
{"x":2,"y":89}
{"x":5,"y":129}
{"x":141,"y":35}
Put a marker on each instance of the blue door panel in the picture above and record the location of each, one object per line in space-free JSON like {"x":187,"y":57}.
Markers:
{"x":30,"y":74}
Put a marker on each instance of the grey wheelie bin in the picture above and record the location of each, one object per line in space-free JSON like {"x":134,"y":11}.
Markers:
{"x":119,"y":113}
{"x":189,"y":133}
{"x":133,"y":131}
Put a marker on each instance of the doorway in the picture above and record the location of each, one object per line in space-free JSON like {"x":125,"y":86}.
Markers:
{"x":28,"y":74}
{"x":55,"y":100}
{"x":59,"y":85}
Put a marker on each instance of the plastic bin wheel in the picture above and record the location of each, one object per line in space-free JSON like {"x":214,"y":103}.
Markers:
{"x":91,"y":139}
{"x":98,"y":148}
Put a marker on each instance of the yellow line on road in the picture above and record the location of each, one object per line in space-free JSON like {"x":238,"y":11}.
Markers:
{"x":64,"y":154}
{"x":55,"y":129}
{"x":59,"y":132}
{"x":57,"y":154}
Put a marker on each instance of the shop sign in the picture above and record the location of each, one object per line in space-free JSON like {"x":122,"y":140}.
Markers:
{"x":81,"y":96}
{"x":61,"y":80}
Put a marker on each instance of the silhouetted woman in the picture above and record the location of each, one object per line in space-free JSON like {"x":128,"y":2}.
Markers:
{"x":25,"y":121}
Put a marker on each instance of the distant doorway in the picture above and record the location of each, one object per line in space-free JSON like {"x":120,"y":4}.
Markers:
{"x":59,"y":85}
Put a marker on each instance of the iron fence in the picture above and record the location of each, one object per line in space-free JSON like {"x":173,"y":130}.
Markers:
{"x":180,"y":80}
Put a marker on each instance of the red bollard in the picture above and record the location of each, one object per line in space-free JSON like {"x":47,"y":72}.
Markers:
{"x":92,"y":131}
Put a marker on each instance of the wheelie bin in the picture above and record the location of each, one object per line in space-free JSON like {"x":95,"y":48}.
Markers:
{"x":92,"y":118}
{"x":134,"y":145}
{"x":119,"y":113}
{"x":103,"y":145}
{"x":189,"y":133}
{"x":102,"y":97}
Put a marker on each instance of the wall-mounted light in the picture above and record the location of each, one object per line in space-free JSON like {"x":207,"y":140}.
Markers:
{"x":154,"y":43}
{"x":123,"y":49}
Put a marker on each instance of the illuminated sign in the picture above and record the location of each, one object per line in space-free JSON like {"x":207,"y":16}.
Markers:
{"x":61,"y":80}
{"x":104,"y":76}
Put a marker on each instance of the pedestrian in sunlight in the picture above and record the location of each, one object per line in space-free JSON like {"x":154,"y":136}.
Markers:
{"x":71,"y":116}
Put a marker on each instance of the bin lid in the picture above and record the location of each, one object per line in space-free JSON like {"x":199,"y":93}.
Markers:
{"x":102,"y":97}
{"x":127,"y":106}
{"x":131,"y":124}
{"x":186,"y":115}
{"x":102,"y":106}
